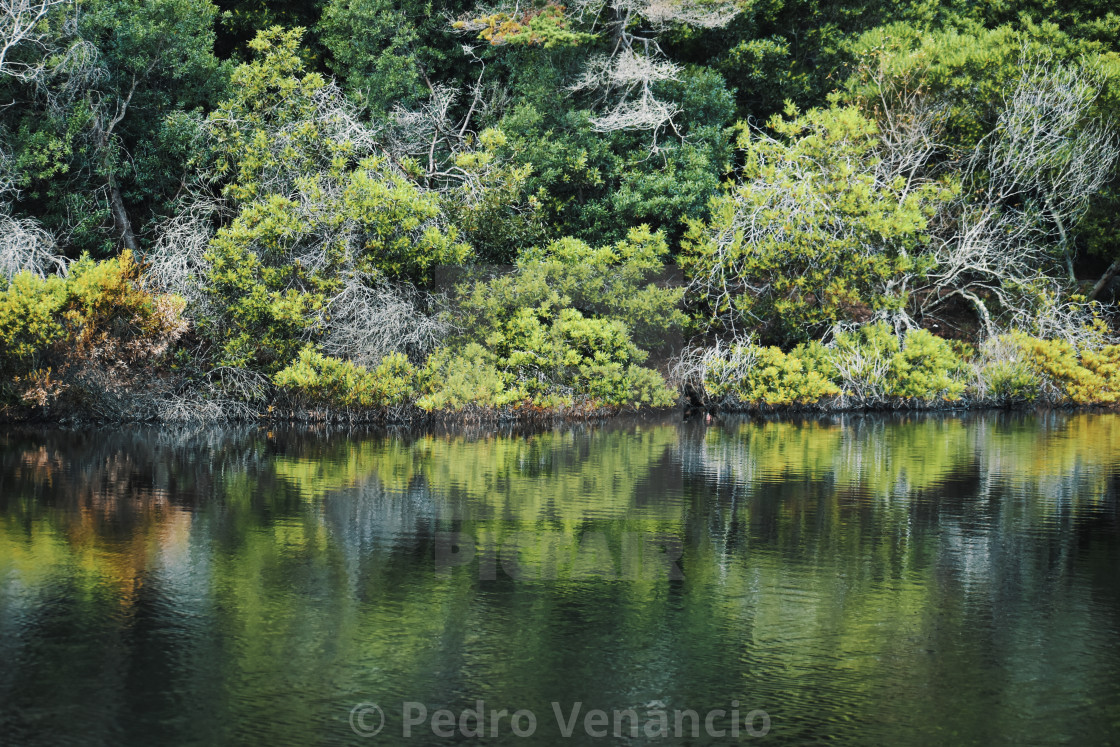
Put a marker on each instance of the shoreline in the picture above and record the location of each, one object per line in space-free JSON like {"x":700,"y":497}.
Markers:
{"x":414,"y":418}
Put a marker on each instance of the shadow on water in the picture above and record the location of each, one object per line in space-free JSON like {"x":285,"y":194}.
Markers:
{"x":903,"y":578}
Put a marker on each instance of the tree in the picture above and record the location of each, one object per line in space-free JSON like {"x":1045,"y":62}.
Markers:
{"x":819,"y":229}
{"x":315,"y":221}
{"x":1027,"y":185}
{"x":23,"y":23}
{"x":103,"y":129}
{"x":621,"y":81}
{"x":387,"y":53}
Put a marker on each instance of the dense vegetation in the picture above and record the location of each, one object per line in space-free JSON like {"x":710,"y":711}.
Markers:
{"x":354,"y":206}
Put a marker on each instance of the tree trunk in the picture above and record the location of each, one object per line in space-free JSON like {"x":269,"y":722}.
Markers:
{"x":1108,"y":275}
{"x":116,"y":202}
{"x":120,"y":218}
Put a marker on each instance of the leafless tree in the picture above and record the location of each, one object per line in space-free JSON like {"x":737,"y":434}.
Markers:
{"x":21,"y":23}
{"x":911,"y":126}
{"x":706,"y":15}
{"x":427,"y":130}
{"x":1053,"y":315}
{"x":624,"y":83}
{"x":621,"y":82}
{"x":1047,"y":153}
{"x":25,"y":245}
{"x":369,"y":319}
{"x":862,"y":374}
{"x":1025,"y":186}
{"x":177,"y":261}
{"x":438,"y":130}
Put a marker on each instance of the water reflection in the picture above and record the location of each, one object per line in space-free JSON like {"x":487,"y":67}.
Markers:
{"x":871,"y":579}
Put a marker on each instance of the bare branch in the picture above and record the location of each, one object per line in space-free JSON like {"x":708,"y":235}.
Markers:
{"x":21,"y":22}
{"x":368,"y":320}
{"x":1026,"y":184}
{"x":25,"y":245}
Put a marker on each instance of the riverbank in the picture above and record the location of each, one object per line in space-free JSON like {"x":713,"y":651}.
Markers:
{"x":531,"y":416}
{"x":869,"y":368}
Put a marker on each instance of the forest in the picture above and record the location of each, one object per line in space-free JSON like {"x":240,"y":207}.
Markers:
{"x":395,"y":209}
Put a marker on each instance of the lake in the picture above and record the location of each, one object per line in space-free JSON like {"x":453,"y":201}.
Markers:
{"x":865,"y":579}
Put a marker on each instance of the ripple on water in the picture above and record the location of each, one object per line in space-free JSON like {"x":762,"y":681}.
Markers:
{"x":882,"y":580}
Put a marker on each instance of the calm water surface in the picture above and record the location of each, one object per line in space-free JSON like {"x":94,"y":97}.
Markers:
{"x":868,"y":580}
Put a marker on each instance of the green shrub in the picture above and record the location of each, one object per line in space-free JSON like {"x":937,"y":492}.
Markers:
{"x":318,"y":380}
{"x":642,"y":386}
{"x":765,"y":375}
{"x":572,"y":323}
{"x":453,"y":380}
{"x":1011,"y":381}
{"x":94,"y":329}
{"x":926,"y":368}
{"x":609,"y":282}
{"x":872,"y":364}
{"x":780,"y":379}
{"x":565,"y":355}
{"x":1003,"y":373}
{"x":30,"y":318}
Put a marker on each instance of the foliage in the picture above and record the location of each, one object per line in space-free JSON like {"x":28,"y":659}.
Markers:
{"x":868,"y":366}
{"x":1091,"y":377}
{"x":299,"y":180}
{"x":493,"y":206}
{"x":751,"y":374}
{"x":1005,"y":374}
{"x":966,"y":71}
{"x":594,"y":186}
{"x":619,"y":281}
{"x":92,"y":333}
{"x":311,"y":221}
{"x":557,"y":354}
{"x":874,"y":364}
{"x":815,"y":232}
{"x":317,"y":380}
{"x":271,"y":129}
{"x":546,"y":26}
{"x":30,"y":311}
{"x":455,"y":380}
{"x":104,"y":130}
{"x":383,"y":51}
{"x":571,"y":320}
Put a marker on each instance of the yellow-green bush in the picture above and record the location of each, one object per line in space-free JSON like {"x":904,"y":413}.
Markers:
{"x":870,"y":364}
{"x":318,"y":380}
{"x":926,"y":368}
{"x":1003,"y":373}
{"x":95,"y":328}
{"x":766,"y":375}
{"x":30,"y":317}
{"x":873,"y":364}
{"x":570,"y":326}
{"x":1011,"y":381}
{"x":1091,"y":378}
{"x":453,"y":380}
